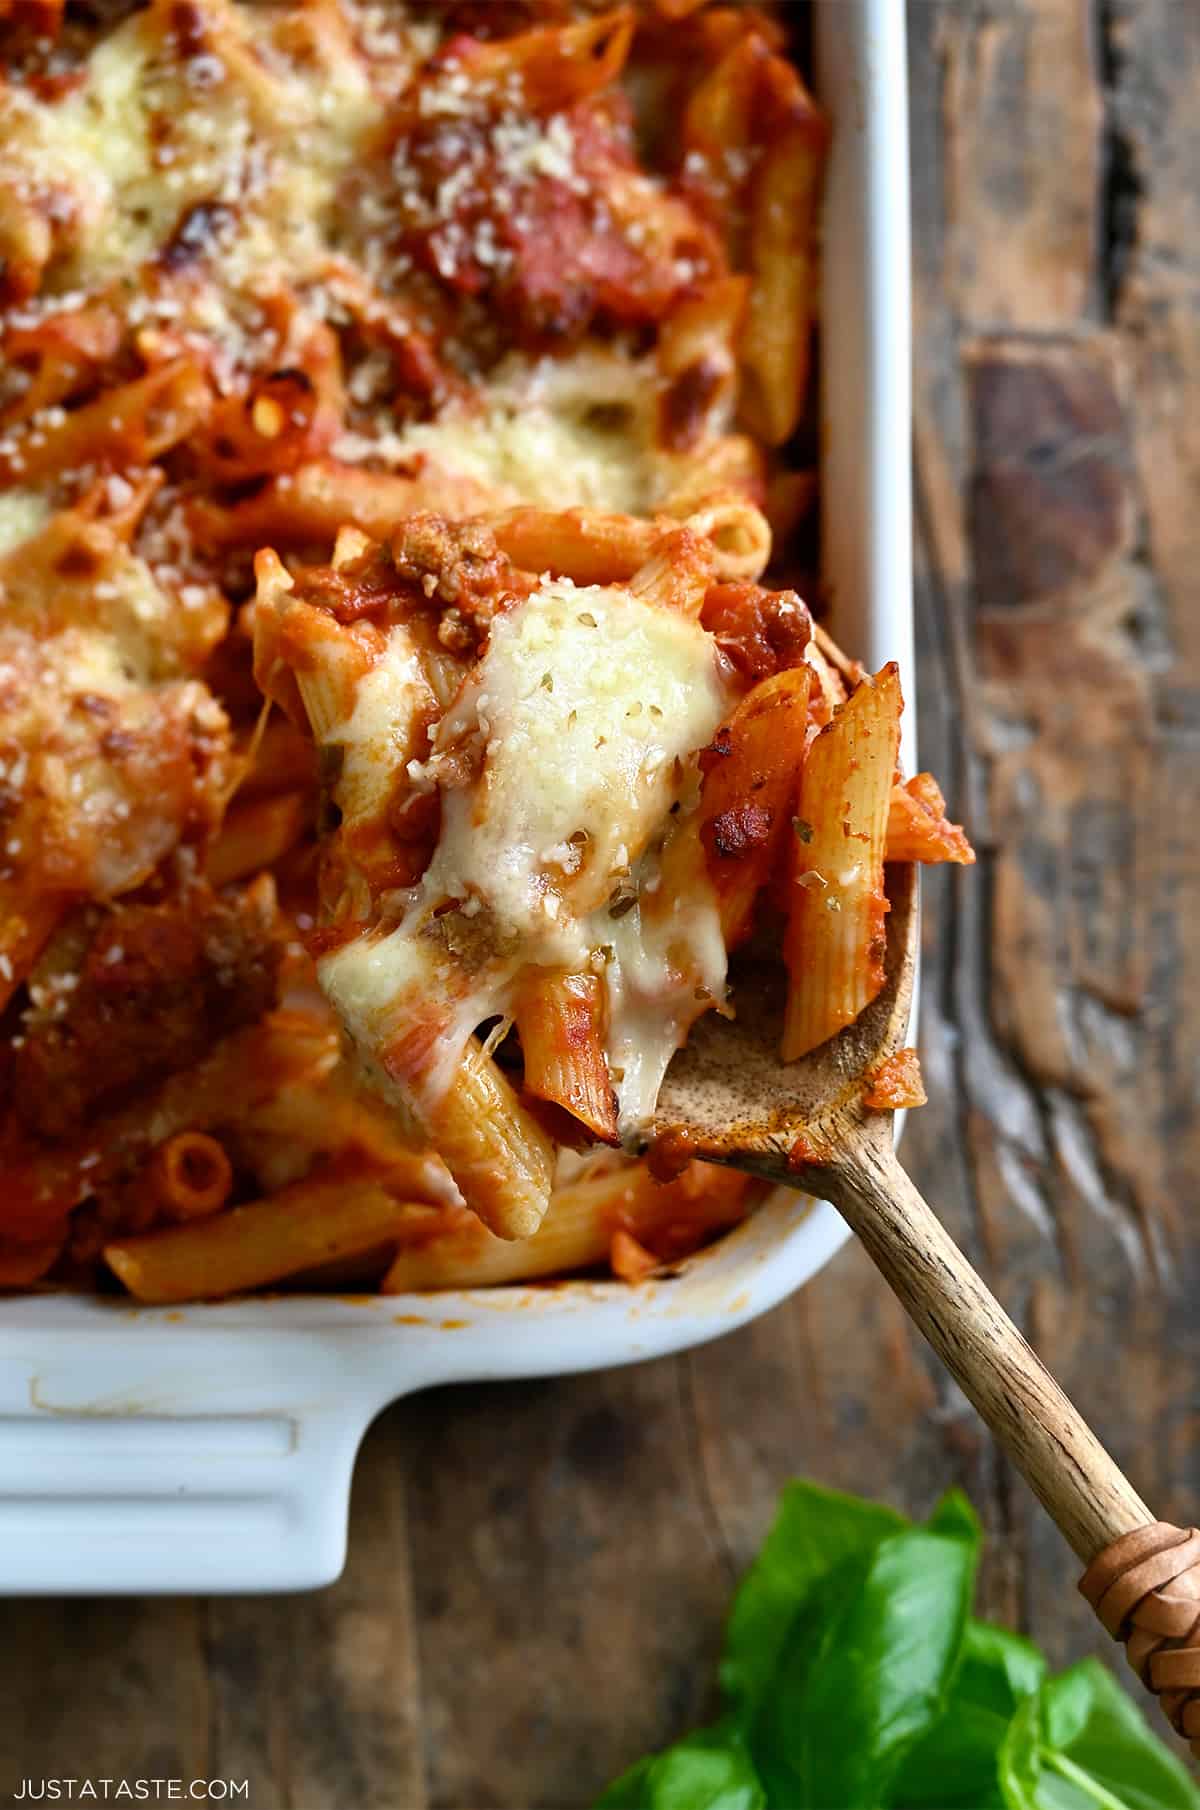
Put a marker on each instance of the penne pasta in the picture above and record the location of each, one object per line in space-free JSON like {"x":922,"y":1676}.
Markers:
{"x":737,"y":532}
{"x":918,"y":828}
{"x":677,"y":575}
{"x":304,"y":660}
{"x":307,"y":507}
{"x":594,"y":548}
{"x":835,"y":940}
{"x":253,"y":1246}
{"x":500,"y":1157}
{"x":560,"y":1021}
{"x":578,"y":1230}
{"x":126,"y":427}
{"x":282,"y":761}
{"x":255,"y":834}
{"x":719,"y":125}
{"x":776,"y":340}
{"x":581,"y":544}
{"x":242,"y":1071}
{"x":750,"y":791}
{"x":697,"y":355}
{"x":28,"y":919}
{"x":555,"y":66}
{"x":190,"y":1175}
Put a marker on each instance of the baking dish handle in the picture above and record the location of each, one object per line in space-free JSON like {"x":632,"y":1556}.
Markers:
{"x":110,"y":1502}
{"x":209,"y":1457}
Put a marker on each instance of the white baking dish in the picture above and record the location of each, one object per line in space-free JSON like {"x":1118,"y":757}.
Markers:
{"x":212,"y":1448}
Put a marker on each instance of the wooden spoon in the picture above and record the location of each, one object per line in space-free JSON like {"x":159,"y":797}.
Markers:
{"x":729,"y":1099}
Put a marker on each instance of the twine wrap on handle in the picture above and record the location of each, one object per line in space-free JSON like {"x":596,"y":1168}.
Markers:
{"x":1145,"y":1587}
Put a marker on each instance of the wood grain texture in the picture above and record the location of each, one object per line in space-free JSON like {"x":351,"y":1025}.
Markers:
{"x":1039,"y":1430}
{"x":538,"y":1573}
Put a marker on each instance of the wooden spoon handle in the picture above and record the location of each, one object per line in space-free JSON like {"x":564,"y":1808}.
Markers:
{"x":1143,"y":1576}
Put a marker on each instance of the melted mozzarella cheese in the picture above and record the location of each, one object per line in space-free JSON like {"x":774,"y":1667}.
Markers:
{"x":662,"y":964}
{"x":22,"y":514}
{"x":571,"y":432}
{"x":586,"y":712}
{"x":588,"y":698}
{"x":367,"y":978}
{"x":144,"y":137}
{"x":377,"y":735}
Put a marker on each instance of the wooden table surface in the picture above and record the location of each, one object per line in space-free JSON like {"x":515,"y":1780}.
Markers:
{"x":538,"y":1572}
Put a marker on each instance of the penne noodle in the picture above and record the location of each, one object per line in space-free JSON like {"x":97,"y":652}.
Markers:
{"x":592,"y":547}
{"x":501,"y":1159}
{"x":776,"y":340}
{"x":560,"y":1021}
{"x":308,"y":507}
{"x":831,"y":689}
{"x":242,"y":1071}
{"x":312,"y":1222}
{"x":555,"y":66}
{"x":719,"y":126}
{"x":28,"y":919}
{"x":304,"y":659}
{"x":835,"y":942}
{"x":190,"y":1175}
{"x":739,"y":535}
{"x":577,"y":1231}
{"x":677,"y":575}
{"x":333,"y":1117}
{"x":60,"y":355}
{"x":697,"y":354}
{"x":283,"y":761}
{"x":585,"y":545}
{"x":918,"y":828}
{"x":630,"y":1261}
{"x":749,"y":794}
{"x":123,"y":427}
{"x":257,"y":833}
{"x":731,"y":463}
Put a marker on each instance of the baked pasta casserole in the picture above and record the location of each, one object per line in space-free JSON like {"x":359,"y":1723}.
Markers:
{"x":408,"y":690}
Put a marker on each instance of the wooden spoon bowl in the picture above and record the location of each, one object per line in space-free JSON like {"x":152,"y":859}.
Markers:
{"x":729,"y":1099}
{"x":735,"y":1102}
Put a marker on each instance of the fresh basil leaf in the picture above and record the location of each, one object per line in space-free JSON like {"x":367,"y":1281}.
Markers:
{"x":632,"y":1790}
{"x":856,"y":1689}
{"x":955,"y":1517}
{"x":1097,"y":1742}
{"x":957,"y":1762}
{"x":1080,"y":1744}
{"x":1000,"y":1668}
{"x":708,"y":1770}
{"x":1019,"y":1762}
{"x":814,"y":1531}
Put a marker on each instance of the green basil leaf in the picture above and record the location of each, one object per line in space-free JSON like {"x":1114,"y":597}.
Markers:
{"x":865,"y":1673}
{"x":1095,"y":1741}
{"x":1019,"y":1762}
{"x":632,"y":1790}
{"x":814,"y":1531}
{"x":955,"y":1517}
{"x":708,"y":1770}
{"x":957,"y":1762}
{"x":1000,"y":1668}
